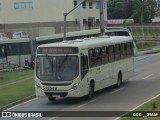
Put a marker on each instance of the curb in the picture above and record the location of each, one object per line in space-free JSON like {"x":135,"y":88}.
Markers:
{"x":17,"y":102}
{"x":148,"y":52}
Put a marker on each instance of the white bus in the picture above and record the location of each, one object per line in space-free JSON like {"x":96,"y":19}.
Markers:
{"x":81,"y":67}
{"x":14,"y":52}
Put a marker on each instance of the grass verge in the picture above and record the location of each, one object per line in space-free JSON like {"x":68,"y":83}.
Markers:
{"x":152,"y":106}
{"x":16,"y":86}
{"x":14,"y":76}
{"x":146,"y":46}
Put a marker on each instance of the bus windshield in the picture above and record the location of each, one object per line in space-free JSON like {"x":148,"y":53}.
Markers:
{"x":57,"y":68}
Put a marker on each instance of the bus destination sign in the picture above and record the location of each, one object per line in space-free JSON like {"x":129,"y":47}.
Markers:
{"x":57,"y":50}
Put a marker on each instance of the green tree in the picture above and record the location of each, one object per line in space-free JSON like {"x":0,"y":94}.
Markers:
{"x":115,"y":9}
{"x":144,"y":11}
{"x":139,"y":10}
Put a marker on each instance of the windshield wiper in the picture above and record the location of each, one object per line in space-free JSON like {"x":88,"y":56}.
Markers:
{"x":65,"y":59}
{"x":50,"y":61}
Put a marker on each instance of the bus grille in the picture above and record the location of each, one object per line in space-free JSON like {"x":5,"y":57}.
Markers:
{"x":54,"y":84}
{"x":62,"y":94}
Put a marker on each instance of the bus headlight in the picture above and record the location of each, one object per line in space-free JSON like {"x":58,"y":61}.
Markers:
{"x":74,"y":87}
{"x":38,"y":86}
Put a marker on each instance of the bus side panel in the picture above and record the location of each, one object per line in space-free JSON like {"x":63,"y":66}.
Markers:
{"x":126,"y":68}
{"x":130,"y":68}
{"x":119,"y":66}
{"x":107,"y":75}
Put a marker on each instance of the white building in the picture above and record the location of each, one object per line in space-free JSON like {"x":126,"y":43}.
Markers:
{"x":44,"y":17}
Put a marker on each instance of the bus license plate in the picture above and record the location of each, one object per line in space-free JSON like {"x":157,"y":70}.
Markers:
{"x":49,"y":88}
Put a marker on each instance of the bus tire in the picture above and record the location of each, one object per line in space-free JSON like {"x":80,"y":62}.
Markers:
{"x":51,"y":98}
{"x":91,"y":91}
{"x":119,"y":80}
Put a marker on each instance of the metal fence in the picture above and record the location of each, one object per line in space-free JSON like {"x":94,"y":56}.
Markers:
{"x":150,"y":32}
{"x":9,"y":67}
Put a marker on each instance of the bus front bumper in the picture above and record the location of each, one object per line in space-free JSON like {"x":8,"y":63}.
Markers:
{"x":74,"y":93}
{"x":69,"y":93}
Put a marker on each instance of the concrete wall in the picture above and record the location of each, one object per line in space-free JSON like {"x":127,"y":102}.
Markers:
{"x":43,"y":11}
{"x":46,"y":16}
{"x":39,"y":29}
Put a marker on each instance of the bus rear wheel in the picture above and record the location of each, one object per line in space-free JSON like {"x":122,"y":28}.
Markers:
{"x":51,"y":98}
{"x":91,"y":91}
{"x":119,"y":80}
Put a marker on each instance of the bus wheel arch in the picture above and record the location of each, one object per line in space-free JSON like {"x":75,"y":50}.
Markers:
{"x":119,"y":79}
{"x":91,"y":89}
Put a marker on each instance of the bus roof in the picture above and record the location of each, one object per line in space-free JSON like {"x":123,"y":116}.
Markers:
{"x":81,"y":33}
{"x":92,"y":42}
{"x":21,"y":40}
{"x":69,"y":34}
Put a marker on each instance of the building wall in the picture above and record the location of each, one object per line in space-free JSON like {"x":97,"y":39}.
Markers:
{"x":45,"y":17}
{"x":42,"y":11}
{"x":86,"y":13}
{"x":40,"y":28}
{"x":89,"y":12}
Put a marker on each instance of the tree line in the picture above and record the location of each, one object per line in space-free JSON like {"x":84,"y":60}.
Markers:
{"x":139,"y":10}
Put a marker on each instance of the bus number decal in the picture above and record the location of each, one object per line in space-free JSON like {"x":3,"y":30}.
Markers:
{"x":48,"y":88}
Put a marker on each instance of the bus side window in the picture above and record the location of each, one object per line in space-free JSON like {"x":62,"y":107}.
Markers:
{"x":118,"y":52}
{"x":84,"y":65}
{"x":104,"y":55}
{"x":102,"y":51}
{"x":122,"y":33}
{"x":111,"y":34}
{"x":122,"y":51}
{"x":131,"y":44}
{"x":107,"y":55}
{"x":130,"y":49}
{"x":98,"y":57}
{"x":114,"y":52}
{"x":91,"y":57}
{"x":111,"y":51}
{"x":125,"y":49}
{"x":97,"y":52}
{"x":119,"y":48}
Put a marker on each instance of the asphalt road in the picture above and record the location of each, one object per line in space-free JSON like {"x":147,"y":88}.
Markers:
{"x":143,"y":86}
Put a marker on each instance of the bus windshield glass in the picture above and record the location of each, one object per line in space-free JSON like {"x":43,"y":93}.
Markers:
{"x":57,"y":68}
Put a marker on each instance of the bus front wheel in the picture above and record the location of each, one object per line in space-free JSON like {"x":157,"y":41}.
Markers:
{"x":51,"y":98}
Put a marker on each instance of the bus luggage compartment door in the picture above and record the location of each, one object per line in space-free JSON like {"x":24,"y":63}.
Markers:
{"x":99,"y":76}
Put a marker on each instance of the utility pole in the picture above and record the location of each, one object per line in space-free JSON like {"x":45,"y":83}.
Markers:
{"x":102,"y":26}
{"x":3,"y":57}
{"x":65,"y":18}
{"x":142,"y":27}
